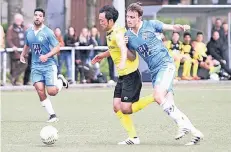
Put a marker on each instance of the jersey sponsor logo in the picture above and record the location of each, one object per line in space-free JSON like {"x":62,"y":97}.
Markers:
{"x":125,"y":98}
{"x":111,"y":47}
{"x":36,"y":47}
{"x":148,"y":35}
{"x":143,"y":49}
{"x":40,"y":38}
{"x":145,"y":35}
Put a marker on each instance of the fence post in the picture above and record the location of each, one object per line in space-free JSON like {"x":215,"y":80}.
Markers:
{"x":4,"y":68}
{"x":73,"y":64}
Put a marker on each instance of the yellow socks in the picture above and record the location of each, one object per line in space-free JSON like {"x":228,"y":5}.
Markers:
{"x":195,"y":68}
{"x":177,"y":64}
{"x":127,"y":124}
{"x":186,"y":68}
{"x":142,"y":103}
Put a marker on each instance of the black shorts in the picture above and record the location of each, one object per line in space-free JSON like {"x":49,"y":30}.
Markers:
{"x":128,"y":87}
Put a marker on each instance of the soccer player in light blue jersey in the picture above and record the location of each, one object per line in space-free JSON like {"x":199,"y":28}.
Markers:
{"x":43,"y":45}
{"x":143,"y":39}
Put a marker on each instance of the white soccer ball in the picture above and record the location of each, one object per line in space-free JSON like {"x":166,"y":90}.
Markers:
{"x":49,"y":135}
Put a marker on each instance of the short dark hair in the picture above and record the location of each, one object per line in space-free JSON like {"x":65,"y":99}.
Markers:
{"x":40,"y":10}
{"x":199,"y":33}
{"x":136,"y":7}
{"x":110,"y":12}
{"x":187,"y":34}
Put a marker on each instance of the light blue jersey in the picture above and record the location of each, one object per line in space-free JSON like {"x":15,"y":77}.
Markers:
{"x":151,"y":48}
{"x":41,"y":42}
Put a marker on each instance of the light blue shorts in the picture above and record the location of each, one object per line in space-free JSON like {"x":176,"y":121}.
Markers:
{"x":47,"y":75}
{"x":164,"y":76}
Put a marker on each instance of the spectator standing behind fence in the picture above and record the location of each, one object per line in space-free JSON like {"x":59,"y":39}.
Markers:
{"x":2,"y":46}
{"x":216,"y":50}
{"x":95,"y":36}
{"x":218,"y":27}
{"x":70,"y":39}
{"x":226,"y":30}
{"x":15,"y":40}
{"x":84,"y":40}
{"x":226,"y":47}
{"x":59,"y":37}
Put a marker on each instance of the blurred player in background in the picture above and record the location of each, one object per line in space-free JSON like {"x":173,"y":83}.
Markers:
{"x":142,"y":38}
{"x":127,"y":91}
{"x":43,"y":44}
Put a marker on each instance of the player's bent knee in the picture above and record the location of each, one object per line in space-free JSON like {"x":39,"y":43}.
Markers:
{"x":126,"y":107}
{"x":159,"y":95}
{"x":126,"y":110}
{"x":52,"y":93}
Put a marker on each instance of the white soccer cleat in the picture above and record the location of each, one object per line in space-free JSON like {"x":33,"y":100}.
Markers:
{"x":65,"y":82}
{"x":181,"y":133}
{"x":53,"y":118}
{"x":197,"y":137}
{"x":130,"y":141}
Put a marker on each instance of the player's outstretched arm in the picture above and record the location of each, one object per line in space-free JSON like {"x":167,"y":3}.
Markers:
{"x":176,"y":27}
{"x":24,"y":53}
{"x":100,"y":56}
{"x":123,"y":48}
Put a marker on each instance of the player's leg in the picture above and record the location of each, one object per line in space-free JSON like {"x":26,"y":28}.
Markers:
{"x":162,"y":86}
{"x":45,"y":101}
{"x":53,"y":82}
{"x":130,"y":97}
{"x":38,"y":82}
{"x":186,"y":67}
{"x":125,"y":119}
{"x":187,"y":126}
{"x":195,"y":69}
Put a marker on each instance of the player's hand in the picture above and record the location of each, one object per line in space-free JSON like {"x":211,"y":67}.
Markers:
{"x":126,"y":39}
{"x":78,"y":61}
{"x":121,"y":65}
{"x":43,"y":58}
{"x":186,"y":27}
{"x":22,"y":59}
{"x":96,"y":59}
{"x":15,"y":48}
{"x":223,"y":61}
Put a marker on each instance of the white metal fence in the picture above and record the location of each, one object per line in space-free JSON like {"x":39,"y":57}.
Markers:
{"x":73,"y":49}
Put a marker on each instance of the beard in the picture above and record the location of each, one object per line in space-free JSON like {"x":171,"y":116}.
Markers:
{"x":37,"y":23}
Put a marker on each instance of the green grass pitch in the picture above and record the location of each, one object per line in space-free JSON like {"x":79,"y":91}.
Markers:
{"x":88,"y":124}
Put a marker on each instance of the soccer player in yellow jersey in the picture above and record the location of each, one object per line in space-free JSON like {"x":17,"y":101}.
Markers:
{"x":188,"y":51}
{"x":127,"y":91}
